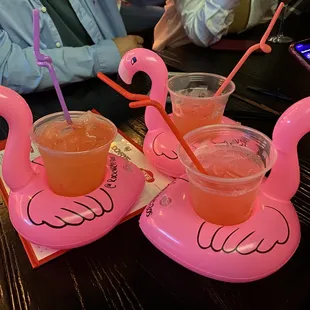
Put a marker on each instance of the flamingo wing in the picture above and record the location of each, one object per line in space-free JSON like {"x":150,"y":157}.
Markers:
{"x":162,"y":148}
{"x":257,"y":235}
{"x":68,"y":211}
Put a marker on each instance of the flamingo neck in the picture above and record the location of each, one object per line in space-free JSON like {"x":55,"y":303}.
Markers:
{"x":153,"y":119}
{"x":16,"y":168}
{"x":158,"y":74}
{"x":284,"y":179}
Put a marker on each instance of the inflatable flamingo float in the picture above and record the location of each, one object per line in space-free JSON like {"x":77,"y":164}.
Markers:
{"x":45,"y":218}
{"x":160,"y":145}
{"x":248,"y":251}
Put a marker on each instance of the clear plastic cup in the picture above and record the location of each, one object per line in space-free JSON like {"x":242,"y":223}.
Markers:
{"x":236,"y":159}
{"x":193,"y":101}
{"x":73,"y":173}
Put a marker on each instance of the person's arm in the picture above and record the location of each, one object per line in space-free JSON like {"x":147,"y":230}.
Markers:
{"x":19,"y":71}
{"x":206,"y":21}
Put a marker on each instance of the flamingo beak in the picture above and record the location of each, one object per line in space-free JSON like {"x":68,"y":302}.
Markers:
{"x":124,"y":74}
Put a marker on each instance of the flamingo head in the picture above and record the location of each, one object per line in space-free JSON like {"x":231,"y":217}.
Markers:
{"x":141,"y":59}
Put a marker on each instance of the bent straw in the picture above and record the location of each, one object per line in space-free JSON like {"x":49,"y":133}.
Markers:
{"x":120,"y":89}
{"x":46,"y":61}
{"x":261,"y":45}
{"x":161,"y":110}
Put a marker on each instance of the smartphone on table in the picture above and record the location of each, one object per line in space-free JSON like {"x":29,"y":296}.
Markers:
{"x":301,"y":50}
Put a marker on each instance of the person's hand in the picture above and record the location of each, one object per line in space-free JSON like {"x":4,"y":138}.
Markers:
{"x":125,"y":44}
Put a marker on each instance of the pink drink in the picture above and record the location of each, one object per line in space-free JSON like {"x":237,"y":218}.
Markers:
{"x":74,"y":156}
{"x":193,"y":101}
{"x":227,"y":204}
{"x":236,"y":159}
{"x":192,"y":114}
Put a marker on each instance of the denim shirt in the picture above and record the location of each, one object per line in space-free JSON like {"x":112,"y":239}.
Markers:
{"x":18,"y":68}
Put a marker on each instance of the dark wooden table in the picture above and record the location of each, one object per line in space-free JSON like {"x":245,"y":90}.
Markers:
{"x":124,"y":271}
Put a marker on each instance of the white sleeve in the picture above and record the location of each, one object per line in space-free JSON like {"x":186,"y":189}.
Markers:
{"x":261,"y":11}
{"x":206,"y":21}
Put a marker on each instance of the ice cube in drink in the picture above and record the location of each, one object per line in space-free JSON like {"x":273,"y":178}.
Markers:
{"x":74,"y":156}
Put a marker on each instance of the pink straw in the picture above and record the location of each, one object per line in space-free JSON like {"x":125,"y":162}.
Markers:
{"x":46,"y":61}
{"x":261,"y":45}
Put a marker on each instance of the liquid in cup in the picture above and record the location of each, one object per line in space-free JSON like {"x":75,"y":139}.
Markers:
{"x":236,"y":159}
{"x":74,"y":156}
{"x":193,"y":101}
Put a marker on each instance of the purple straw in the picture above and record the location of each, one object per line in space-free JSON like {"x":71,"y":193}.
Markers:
{"x":46,"y":61}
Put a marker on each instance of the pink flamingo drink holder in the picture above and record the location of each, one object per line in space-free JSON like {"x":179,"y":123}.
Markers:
{"x":160,"y":145}
{"x":38,"y":214}
{"x":248,"y":251}
{"x":45,"y":218}
{"x":245,"y":252}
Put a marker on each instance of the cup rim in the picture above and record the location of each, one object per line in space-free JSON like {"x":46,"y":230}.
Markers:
{"x":202,"y":74}
{"x":33,"y":137}
{"x":194,"y":170}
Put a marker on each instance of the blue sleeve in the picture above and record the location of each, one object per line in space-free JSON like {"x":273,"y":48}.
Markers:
{"x":206,"y":21}
{"x":19,"y":71}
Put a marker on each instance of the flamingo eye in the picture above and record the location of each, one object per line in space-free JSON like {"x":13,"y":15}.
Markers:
{"x":133,"y":60}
